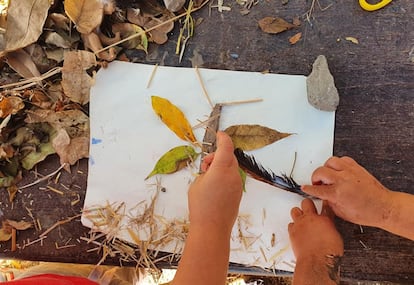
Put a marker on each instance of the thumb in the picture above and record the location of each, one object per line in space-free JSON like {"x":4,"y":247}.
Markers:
{"x":224,"y":153}
{"x":324,"y":192}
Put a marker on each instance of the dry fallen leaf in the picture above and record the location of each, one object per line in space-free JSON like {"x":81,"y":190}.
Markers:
{"x":175,"y":159}
{"x":352,"y":40}
{"x":70,"y":150}
{"x":19,"y":225}
{"x":86,"y":14}
{"x":295,"y":38}
{"x":272,"y":25}
{"x":10,"y":105}
{"x":250,"y":137}
{"x":21,"y":62}
{"x":76,"y":81}
{"x":173,"y":118}
{"x":25,"y":20}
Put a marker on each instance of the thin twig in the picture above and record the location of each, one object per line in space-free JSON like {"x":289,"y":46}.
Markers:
{"x":152,"y":75}
{"x":59,"y":223}
{"x":43,"y":178}
{"x":32,"y":81}
{"x":203,"y":87}
{"x":241,"y":102}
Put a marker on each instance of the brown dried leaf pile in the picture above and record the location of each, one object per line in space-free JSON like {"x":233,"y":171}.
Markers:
{"x":49,"y":54}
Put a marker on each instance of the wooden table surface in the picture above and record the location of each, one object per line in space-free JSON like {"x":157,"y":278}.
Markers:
{"x":374,"y":121}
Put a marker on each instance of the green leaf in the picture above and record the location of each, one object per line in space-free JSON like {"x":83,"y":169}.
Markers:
{"x":34,"y":157}
{"x":174,"y":160}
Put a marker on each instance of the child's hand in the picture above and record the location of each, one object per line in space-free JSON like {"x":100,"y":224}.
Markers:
{"x":214,"y":197}
{"x":351,"y":191}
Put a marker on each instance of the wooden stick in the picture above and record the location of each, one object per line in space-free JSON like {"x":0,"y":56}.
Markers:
{"x":203,"y":87}
{"x":152,"y":75}
{"x":59,"y":223}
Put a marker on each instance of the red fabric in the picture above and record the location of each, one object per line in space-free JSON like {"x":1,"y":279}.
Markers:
{"x":52,"y":279}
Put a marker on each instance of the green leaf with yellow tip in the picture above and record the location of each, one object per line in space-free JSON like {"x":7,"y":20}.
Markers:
{"x":175,"y":159}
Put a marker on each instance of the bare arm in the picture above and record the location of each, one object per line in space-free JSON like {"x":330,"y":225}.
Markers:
{"x":213,"y":201}
{"x":357,"y":196}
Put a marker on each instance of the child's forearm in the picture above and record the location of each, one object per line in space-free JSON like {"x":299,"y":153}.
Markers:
{"x":205,"y":258}
{"x":398,"y":218}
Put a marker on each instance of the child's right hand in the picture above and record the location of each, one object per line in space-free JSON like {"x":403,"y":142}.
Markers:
{"x":351,"y":191}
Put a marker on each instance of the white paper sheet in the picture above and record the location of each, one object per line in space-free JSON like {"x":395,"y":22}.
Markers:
{"x":127,"y":138}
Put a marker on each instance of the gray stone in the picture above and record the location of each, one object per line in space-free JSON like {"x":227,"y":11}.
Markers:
{"x":174,"y":5}
{"x":322,"y":93}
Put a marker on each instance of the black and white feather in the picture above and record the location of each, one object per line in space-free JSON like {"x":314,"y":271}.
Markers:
{"x":249,"y":164}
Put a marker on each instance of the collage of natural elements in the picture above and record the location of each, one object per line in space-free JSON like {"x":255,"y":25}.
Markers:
{"x":164,"y":129}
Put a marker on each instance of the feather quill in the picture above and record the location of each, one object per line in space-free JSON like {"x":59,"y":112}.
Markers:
{"x":249,"y":164}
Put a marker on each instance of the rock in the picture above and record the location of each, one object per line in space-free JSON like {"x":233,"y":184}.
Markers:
{"x":174,"y":5}
{"x":322,"y":92}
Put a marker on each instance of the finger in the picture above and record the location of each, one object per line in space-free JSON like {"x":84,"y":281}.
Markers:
{"x":338,"y":163}
{"x":205,"y":164}
{"x":327,"y":210}
{"x":295,"y":213}
{"x":324,"y":192}
{"x":308,"y":207}
{"x":224,"y":153}
{"x":290,"y":227}
{"x":324,"y":175}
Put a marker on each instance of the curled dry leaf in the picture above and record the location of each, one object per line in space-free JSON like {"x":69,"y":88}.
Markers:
{"x":71,"y":140}
{"x":127,"y":29}
{"x":172,"y":116}
{"x":276,"y":25}
{"x":93,"y":42}
{"x":147,"y":21}
{"x":70,"y":150}
{"x":21,"y":62}
{"x":10,"y":105}
{"x":250,"y":137}
{"x":76,"y":81}
{"x":86,"y":14}
{"x":19,"y":225}
{"x":175,"y":159}
{"x":295,"y":38}
{"x":25,"y":22}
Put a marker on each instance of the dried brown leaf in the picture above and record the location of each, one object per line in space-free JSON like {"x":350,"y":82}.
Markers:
{"x":76,"y":81}
{"x":70,"y":150}
{"x":276,"y":25}
{"x":295,"y":38}
{"x":53,"y":38}
{"x":25,"y":22}
{"x":19,"y":225}
{"x":86,"y":14}
{"x":21,"y":62}
{"x":10,"y":105}
{"x":250,"y":137}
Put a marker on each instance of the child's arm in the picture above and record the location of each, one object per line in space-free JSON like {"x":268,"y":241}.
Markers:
{"x":357,"y":196}
{"x":213,"y":201}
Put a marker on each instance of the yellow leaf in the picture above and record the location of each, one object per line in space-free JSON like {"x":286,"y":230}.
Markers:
{"x":250,"y":137}
{"x":173,"y":118}
{"x":86,"y":14}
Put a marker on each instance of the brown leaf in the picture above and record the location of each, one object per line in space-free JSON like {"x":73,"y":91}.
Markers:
{"x":86,"y":14}
{"x":10,"y":105}
{"x":75,"y":122}
{"x":76,"y":81}
{"x":272,"y":25}
{"x":21,"y":62}
{"x":25,"y":22}
{"x":294,"y":39}
{"x":70,"y":150}
{"x":19,"y":225}
{"x":250,"y":137}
